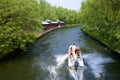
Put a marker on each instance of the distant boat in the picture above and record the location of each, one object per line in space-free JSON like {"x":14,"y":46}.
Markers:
{"x":75,"y":59}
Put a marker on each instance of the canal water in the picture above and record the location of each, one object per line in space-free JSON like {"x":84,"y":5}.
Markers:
{"x":47,"y":59}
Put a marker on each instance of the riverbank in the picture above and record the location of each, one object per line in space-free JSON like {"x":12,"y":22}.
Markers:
{"x":48,"y":31}
{"x":37,"y":35}
{"x":71,"y":25}
{"x":103,"y":43}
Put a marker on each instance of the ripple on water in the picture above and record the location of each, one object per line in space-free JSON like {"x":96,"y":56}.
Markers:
{"x":54,"y":69}
{"x":96,"y":63}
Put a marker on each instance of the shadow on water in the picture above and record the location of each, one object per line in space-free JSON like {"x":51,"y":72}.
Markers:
{"x":11,"y":56}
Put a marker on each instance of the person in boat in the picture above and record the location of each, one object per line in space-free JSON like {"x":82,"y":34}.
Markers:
{"x":77,"y":49}
{"x":71,"y":55}
{"x":73,"y":47}
{"x":78,"y":54}
{"x":71,"y":52}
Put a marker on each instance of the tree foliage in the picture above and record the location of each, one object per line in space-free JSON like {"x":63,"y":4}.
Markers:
{"x":20,"y":20}
{"x":102,"y":20}
{"x":53,"y":13}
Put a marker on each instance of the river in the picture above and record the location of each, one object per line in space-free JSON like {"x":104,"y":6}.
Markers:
{"x":47,"y":59}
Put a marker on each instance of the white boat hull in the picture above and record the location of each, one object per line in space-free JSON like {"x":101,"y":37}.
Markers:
{"x":71,"y":61}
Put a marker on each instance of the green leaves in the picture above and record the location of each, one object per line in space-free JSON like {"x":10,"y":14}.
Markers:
{"x":19,"y":20}
{"x":53,"y":13}
{"x":102,"y":18}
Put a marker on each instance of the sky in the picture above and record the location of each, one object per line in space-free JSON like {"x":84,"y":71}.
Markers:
{"x":69,"y":4}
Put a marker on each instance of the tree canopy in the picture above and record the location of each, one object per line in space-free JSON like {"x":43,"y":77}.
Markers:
{"x":102,"y":20}
{"x":53,"y":13}
{"x":20,"y":20}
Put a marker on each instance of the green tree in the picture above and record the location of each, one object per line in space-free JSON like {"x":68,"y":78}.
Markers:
{"x":102,"y":20}
{"x":53,"y":13}
{"x":19,"y":21}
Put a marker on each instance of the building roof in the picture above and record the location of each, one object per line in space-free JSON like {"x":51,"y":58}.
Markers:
{"x":47,"y":21}
{"x":54,"y":22}
{"x":59,"y":21}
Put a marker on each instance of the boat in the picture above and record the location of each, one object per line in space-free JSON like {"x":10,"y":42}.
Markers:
{"x":75,"y":59}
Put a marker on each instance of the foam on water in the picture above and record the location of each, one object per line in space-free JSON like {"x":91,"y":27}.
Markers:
{"x":53,"y":72}
{"x":77,"y":75}
{"x":53,"y":69}
{"x":60,"y":59}
{"x":96,"y":63}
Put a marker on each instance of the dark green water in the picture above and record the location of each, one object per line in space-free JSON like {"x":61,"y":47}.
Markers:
{"x":46,"y":59}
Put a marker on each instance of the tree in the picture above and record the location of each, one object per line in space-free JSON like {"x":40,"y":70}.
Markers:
{"x":102,"y":18}
{"x":19,"y":20}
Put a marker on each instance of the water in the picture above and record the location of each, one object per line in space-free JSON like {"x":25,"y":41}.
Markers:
{"x":47,"y":59}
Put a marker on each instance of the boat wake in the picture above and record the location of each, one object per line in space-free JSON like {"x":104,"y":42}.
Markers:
{"x":54,"y":69}
{"x":77,"y":75}
{"x":96,"y":63}
{"x":53,"y":73}
{"x":60,"y":59}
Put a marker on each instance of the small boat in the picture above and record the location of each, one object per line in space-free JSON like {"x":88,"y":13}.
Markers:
{"x":75,"y":59}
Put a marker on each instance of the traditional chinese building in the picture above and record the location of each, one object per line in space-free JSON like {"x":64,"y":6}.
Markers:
{"x":48,"y":24}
